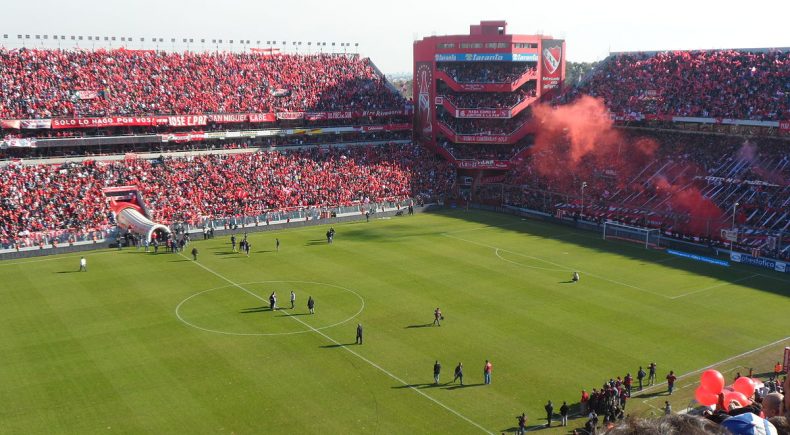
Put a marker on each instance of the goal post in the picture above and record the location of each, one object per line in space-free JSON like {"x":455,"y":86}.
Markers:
{"x":649,"y":237}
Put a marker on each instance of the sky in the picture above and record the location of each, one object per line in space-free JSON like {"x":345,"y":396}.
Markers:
{"x":385,"y":30}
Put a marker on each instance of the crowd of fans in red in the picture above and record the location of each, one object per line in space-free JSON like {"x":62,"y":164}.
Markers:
{"x":735,"y":84}
{"x":44,"y":83}
{"x":187,"y":189}
{"x":490,"y":72}
{"x":723,"y":169}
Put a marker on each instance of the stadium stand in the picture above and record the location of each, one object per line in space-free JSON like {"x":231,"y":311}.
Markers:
{"x":490,"y":100}
{"x":59,"y":83}
{"x":472,"y":72}
{"x":737,"y":84}
{"x":724,"y":169}
{"x":482,"y":126}
{"x":41,"y":199}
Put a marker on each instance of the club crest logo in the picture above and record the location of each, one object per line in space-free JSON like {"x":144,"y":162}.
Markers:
{"x":551,"y":58}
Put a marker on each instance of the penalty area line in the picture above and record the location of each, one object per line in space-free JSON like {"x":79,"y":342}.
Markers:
{"x":722,"y":284}
{"x":347,"y":349}
{"x":567,"y":268}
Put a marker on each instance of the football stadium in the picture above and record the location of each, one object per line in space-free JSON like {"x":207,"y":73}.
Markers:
{"x":202,"y":236}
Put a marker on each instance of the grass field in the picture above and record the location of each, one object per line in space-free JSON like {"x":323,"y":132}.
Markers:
{"x":145,"y":343}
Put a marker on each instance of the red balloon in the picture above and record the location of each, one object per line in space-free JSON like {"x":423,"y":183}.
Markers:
{"x":738,"y":396}
{"x":712,"y":381}
{"x":705,"y":397}
{"x":744,"y":385}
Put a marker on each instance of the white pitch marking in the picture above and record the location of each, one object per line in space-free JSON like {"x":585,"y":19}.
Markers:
{"x":568,"y":269}
{"x":178,"y":307}
{"x":723,"y":284}
{"x":775,"y":278}
{"x":525,"y":265}
{"x":740,"y":355}
{"x":346,"y":348}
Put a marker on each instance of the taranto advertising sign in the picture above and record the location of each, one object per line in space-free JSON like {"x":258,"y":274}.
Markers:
{"x":486,"y":57}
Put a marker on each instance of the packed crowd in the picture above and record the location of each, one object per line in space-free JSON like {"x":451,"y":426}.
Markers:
{"x":487,"y":72}
{"x":719,"y":171}
{"x":718,"y":83}
{"x":70,"y":150}
{"x":69,"y":196}
{"x":59,"y":83}
{"x":487,"y":100}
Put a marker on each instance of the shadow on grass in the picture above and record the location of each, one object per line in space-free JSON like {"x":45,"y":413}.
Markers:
{"x":68,"y":271}
{"x":263,"y":252}
{"x":653,"y":394}
{"x":316,"y":242}
{"x":255,"y":310}
{"x":178,"y":261}
{"x":293,"y":315}
{"x":225,"y":253}
{"x":570,"y":281}
{"x":455,"y":387}
{"x":768,"y":281}
{"x":514,"y":429}
{"x":424,"y":325}
{"x":334,"y":346}
{"x":424,"y":385}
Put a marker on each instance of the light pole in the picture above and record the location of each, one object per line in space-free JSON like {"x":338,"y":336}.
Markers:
{"x":733,"y":235}
{"x":584,"y":184}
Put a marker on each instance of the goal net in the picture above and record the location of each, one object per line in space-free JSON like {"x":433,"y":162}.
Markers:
{"x":648,"y":237}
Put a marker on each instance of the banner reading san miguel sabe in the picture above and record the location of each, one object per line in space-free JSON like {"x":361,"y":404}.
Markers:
{"x":552,"y":66}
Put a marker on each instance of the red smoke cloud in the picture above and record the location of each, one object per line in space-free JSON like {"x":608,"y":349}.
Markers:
{"x":578,"y":142}
{"x":579,"y":139}
{"x":704,"y":215}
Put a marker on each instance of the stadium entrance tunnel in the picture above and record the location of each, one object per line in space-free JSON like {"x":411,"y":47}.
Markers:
{"x":131,"y":218}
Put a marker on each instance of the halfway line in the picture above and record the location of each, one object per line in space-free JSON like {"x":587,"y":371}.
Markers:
{"x":383,"y":370}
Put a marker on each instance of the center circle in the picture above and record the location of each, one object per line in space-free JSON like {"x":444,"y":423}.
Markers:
{"x":243,"y":309}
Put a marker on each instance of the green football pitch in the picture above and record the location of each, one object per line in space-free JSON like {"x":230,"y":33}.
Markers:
{"x":145,"y":343}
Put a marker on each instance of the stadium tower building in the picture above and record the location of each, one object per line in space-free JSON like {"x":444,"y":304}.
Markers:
{"x":473,"y":95}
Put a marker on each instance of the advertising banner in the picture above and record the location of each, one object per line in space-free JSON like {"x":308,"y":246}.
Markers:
{"x":388,"y":127}
{"x":339,"y":115}
{"x":35,"y":124}
{"x":262,"y":117}
{"x":290,"y":115}
{"x":767,"y":263}
{"x":482,"y":113}
{"x":11,"y":124}
{"x":183,"y":137}
{"x":87,"y":95}
{"x":423,"y":119}
{"x":486,"y":57}
{"x":187,"y":120}
{"x":228,"y":118}
{"x":109,"y":121}
{"x":784,"y":126}
{"x":552,"y":66}
{"x":482,"y":138}
{"x":483,"y":164}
